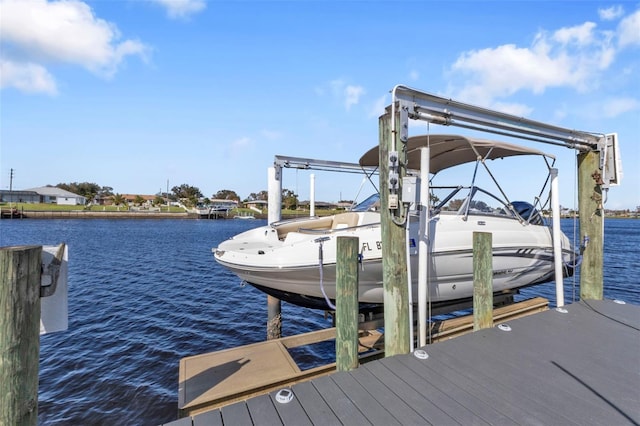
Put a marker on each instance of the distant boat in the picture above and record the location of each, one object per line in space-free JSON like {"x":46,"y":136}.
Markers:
{"x":244,"y":216}
{"x":295,"y":260}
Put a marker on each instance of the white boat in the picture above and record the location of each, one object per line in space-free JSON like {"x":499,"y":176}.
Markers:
{"x":244,"y":216}
{"x":295,"y":260}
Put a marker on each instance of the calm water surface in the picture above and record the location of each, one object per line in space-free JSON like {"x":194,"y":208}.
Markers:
{"x":145,"y":293}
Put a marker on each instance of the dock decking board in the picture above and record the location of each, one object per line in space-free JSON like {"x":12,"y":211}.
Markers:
{"x":392,"y":402}
{"x":315,"y":407}
{"x":418,"y":402}
{"x":580,"y":368}
{"x":263,"y":412}
{"x":361,"y":398}
{"x":209,"y":418}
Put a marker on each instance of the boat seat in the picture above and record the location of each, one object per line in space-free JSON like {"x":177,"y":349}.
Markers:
{"x":345,"y":220}
{"x":302,"y":225}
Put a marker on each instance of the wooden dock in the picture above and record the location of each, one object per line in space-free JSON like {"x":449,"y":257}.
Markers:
{"x":580,"y":367}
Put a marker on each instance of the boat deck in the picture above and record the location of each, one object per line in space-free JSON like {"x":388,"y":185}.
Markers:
{"x":581,"y":367}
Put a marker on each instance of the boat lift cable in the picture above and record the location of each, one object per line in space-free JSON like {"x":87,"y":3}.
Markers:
{"x":321,"y":267}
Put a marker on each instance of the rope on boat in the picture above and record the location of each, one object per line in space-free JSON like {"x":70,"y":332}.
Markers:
{"x":326,"y":298}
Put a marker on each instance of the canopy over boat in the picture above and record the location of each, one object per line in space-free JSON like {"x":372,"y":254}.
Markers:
{"x":452,"y":150}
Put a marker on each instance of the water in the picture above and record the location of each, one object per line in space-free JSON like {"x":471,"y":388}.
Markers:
{"x":145,"y":293}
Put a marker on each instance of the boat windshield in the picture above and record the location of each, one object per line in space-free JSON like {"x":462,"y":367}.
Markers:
{"x":370,"y":204}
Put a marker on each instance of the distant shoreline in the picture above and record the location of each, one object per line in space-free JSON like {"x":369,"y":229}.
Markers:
{"x":81,"y":214}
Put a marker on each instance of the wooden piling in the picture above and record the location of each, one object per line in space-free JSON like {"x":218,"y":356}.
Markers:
{"x":20,"y":272}
{"x":347,"y":303}
{"x":274,"y":305}
{"x":482,"y":280}
{"x":394,"y":254}
{"x":591,"y":225}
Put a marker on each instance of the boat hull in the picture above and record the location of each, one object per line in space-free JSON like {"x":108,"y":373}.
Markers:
{"x":303,"y":266}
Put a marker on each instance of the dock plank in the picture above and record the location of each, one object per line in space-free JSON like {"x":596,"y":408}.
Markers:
{"x":291,"y":413}
{"x":476,"y":406}
{"x":455,"y":408}
{"x":236,"y":414}
{"x":209,"y":418}
{"x":418,"y":402}
{"x":371,"y":408}
{"x":262,"y":411}
{"x":442,"y":369}
{"x":404,"y":413}
{"x":340,"y":403}
{"x":576,"y":368}
{"x":315,"y":406}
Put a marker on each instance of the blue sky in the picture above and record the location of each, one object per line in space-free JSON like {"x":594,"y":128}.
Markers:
{"x":135,"y":94}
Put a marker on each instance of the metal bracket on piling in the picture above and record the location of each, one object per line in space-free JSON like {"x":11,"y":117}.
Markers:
{"x":52,"y":272}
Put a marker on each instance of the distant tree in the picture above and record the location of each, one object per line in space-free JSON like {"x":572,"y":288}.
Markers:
{"x":158,"y":201}
{"x":187,"y":194}
{"x":105,"y":191}
{"x":480,"y":205}
{"x":226,"y":194}
{"x":118,"y":200}
{"x":434,"y":200}
{"x":86,"y":189}
{"x":289,"y":199}
{"x":138,"y":200}
{"x":455,"y":205}
{"x":206,"y":201}
{"x":262,"y":195}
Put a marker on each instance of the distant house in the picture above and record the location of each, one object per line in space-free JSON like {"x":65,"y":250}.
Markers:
{"x":44,"y":194}
{"x":306,"y":204}
{"x":19,"y":196}
{"x":146,"y":199}
{"x":257,"y":204}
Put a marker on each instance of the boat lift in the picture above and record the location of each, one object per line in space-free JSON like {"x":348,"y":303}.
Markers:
{"x":600,"y":162}
{"x":596,"y":149}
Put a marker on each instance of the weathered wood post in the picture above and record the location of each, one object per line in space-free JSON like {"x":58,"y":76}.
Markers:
{"x":394,"y":255}
{"x":482,"y":280}
{"x":347,"y":303}
{"x":20,"y":272}
{"x":274,"y":305}
{"x":591,"y":225}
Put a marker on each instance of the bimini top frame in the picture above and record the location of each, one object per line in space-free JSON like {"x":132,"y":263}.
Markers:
{"x":424,"y":106}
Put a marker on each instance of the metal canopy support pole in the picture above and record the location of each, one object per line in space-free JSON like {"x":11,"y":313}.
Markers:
{"x":423,"y":247}
{"x":274,"y":305}
{"x":557,"y":244}
{"x":394,"y":260}
{"x":312,"y":195}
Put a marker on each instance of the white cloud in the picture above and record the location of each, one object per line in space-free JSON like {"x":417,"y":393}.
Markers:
{"x":348,"y":94}
{"x":26,"y":77}
{"x":182,"y":9}
{"x":610,"y":13}
{"x":614,"y":107}
{"x":240,"y":146}
{"x":629,"y":30}
{"x":569,"y":57}
{"x":40,"y":32}
{"x":378,"y":106}
{"x":352,"y":95}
